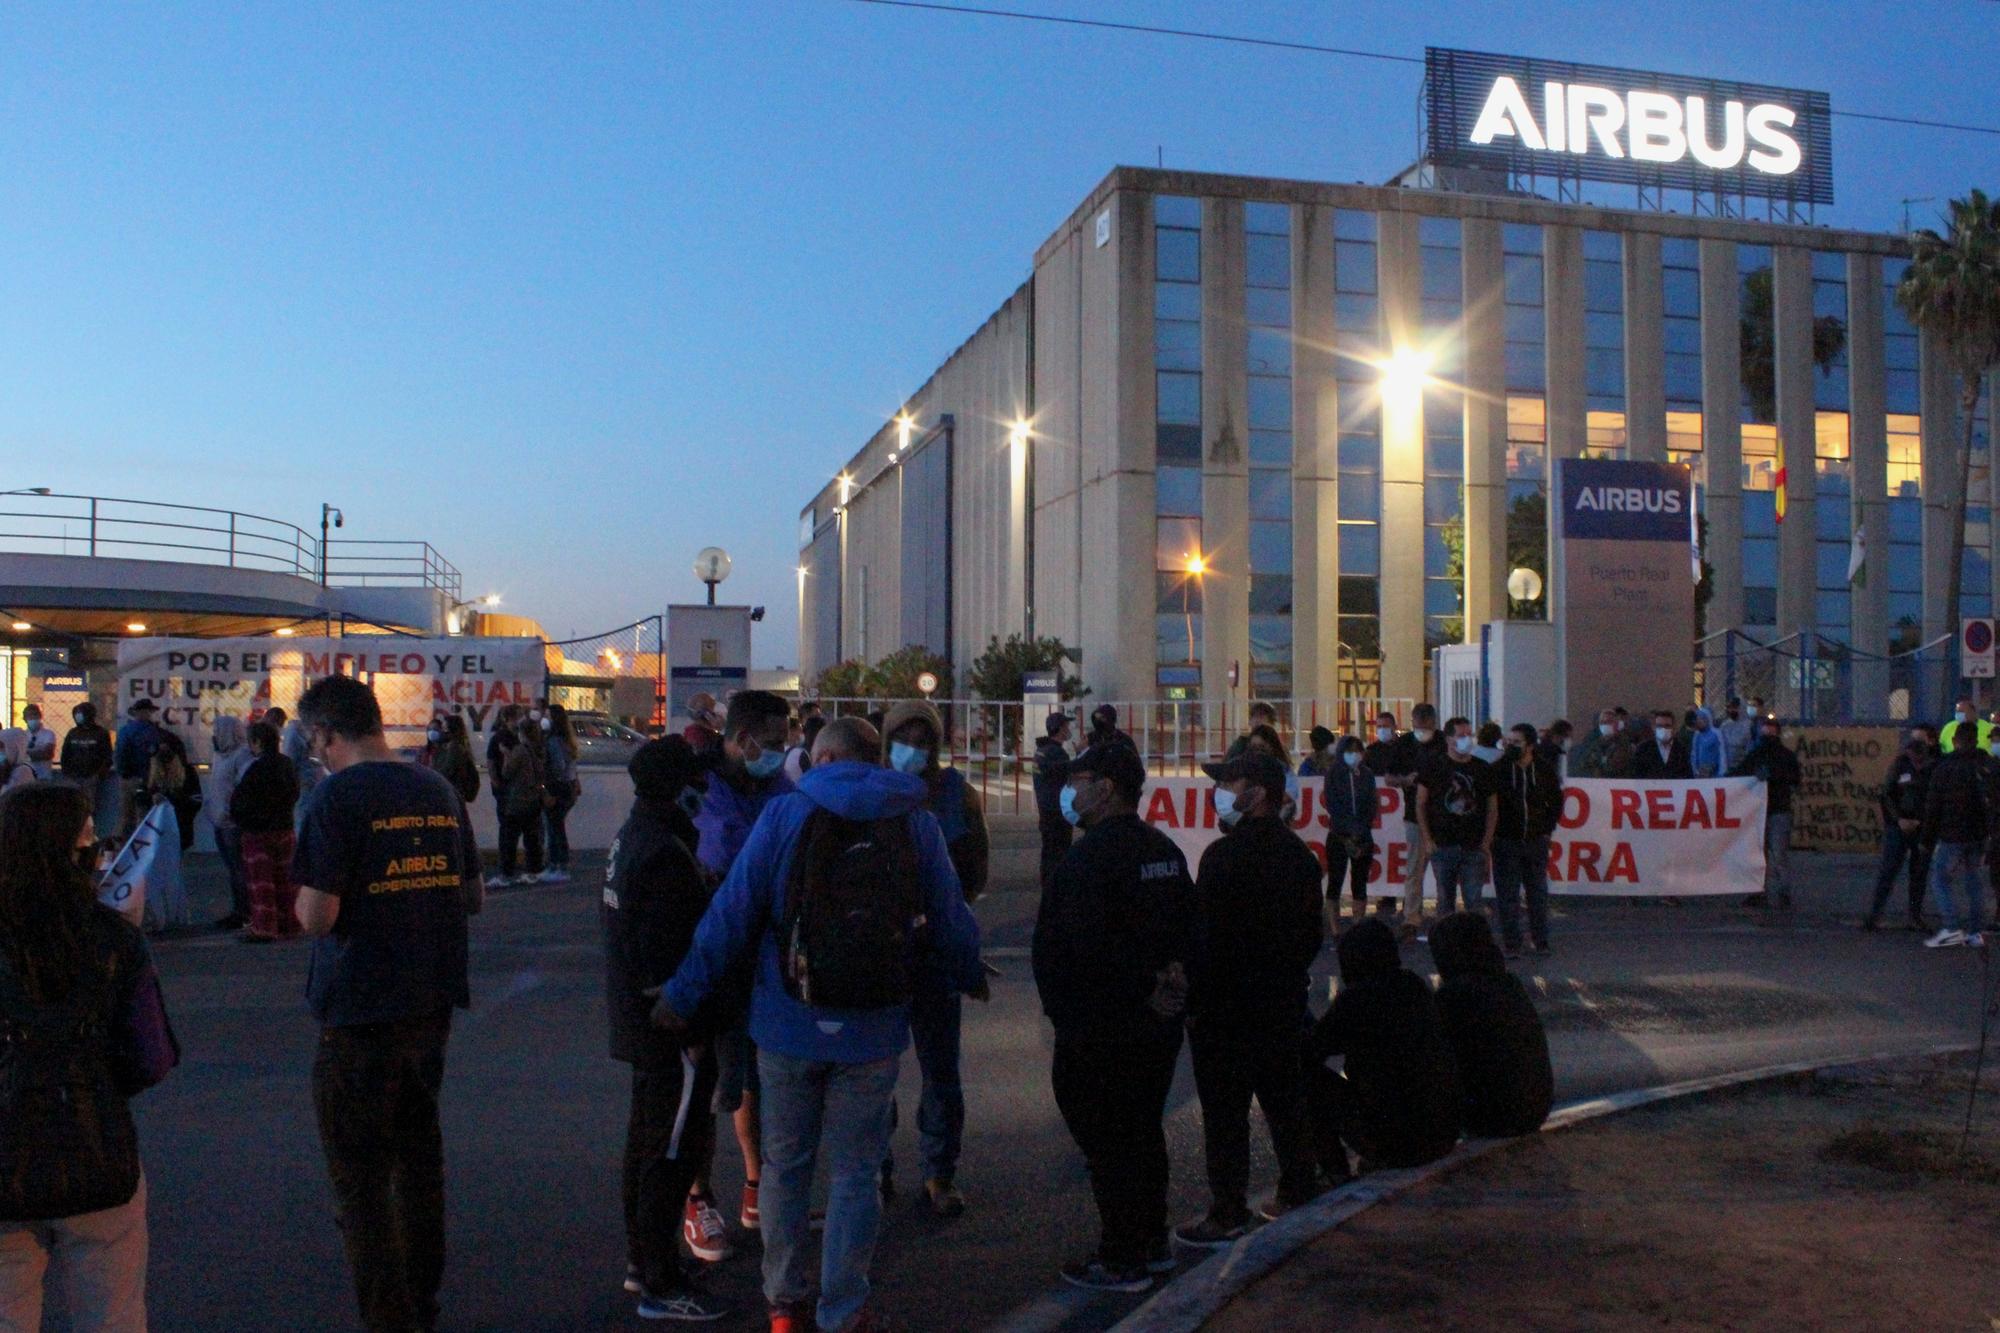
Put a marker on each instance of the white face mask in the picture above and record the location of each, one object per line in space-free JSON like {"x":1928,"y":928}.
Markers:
{"x":1462,"y":744}
{"x":1385,"y":734}
{"x":1352,"y":758}
{"x":1226,"y":813}
{"x":1423,"y":735}
{"x":1607,"y":728}
{"x":1663,"y":734}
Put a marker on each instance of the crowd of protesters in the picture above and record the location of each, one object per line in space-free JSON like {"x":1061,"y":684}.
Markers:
{"x":787,"y":908}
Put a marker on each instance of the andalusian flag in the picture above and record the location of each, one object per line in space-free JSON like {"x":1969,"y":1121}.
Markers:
{"x":1778,"y":485}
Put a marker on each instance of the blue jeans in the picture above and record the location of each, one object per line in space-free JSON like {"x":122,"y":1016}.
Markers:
{"x":935,"y":1017}
{"x":1961,"y":888}
{"x":807,"y":1106}
{"x":1458,"y":868}
{"x":1522,"y":864}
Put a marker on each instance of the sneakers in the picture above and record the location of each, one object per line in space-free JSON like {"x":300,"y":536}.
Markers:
{"x":556,"y":875}
{"x":944,"y":1198}
{"x":792,"y":1319}
{"x":632,"y":1283}
{"x":1210,"y":1233}
{"x":1975,"y":940}
{"x":1274,"y":1208}
{"x":704,"y":1231}
{"x":685,"y":1307}
{"x":747,"y":1215}
{"x":1093,"y":1274}
{"x":1945,"y":939}
{"x":499,"y":881}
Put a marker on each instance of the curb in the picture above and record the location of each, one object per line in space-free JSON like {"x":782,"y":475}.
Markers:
{"x":1189,"y":1300}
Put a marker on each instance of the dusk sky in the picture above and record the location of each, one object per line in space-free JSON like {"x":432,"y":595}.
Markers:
{"x":573,"y":291}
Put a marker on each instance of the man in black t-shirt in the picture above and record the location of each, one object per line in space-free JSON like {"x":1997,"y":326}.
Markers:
{"x":388,"y":872}
{"x":1457,"y":807}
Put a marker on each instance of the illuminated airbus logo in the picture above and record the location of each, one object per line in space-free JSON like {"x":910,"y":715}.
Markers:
{"x":1646,"y":126}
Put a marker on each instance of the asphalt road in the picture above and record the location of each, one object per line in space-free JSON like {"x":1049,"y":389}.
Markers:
{"x":243,"y":1234}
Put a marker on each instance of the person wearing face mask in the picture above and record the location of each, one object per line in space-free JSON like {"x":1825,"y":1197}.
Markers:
{"x":561,"y":791}
{"x":748,"y":763}
{"x":1587,"y":757}
{"x":1408,"y":755}
{"x":913,"y":742}
{"x":1707,"y":757}
{"x":1457,"y":807}
{"x":1738,"y":729}
{"x":524,"y":773}
{"x":1775,"y":765}
{"x":1348,"y":797}
{"x":1553,"y":746}
{"x":654,"y":896}
{"x":1051,"y":773}
{"x":1115,"y":942}
{"x":1531,"y":800}
{"x":1961,"y":808}
{"x":1904,"y":789}
{"x":1259,"y":893}
{"x":1665,"y":753}
{"x":506,"y":735}
{"x":86,"y":761}
{"x":41,"y":744}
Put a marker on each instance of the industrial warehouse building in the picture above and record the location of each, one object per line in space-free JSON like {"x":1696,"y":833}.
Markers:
{"x":1304,"y":431}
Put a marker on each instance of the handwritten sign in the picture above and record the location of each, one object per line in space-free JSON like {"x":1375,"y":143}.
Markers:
{"x":1841,"y":769}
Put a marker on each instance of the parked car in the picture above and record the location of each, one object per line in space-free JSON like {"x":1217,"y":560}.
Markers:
{"x":599,"y":740}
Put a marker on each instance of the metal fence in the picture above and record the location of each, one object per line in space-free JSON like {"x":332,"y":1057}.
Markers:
{"x":1808,"y":677}
{"x":621,"y":672}
{"x":994,"y":742}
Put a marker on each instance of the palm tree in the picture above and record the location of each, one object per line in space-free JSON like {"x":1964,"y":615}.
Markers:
{"x":1952,"y":293}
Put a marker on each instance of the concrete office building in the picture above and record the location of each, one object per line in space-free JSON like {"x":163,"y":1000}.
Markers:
{"x":1308,"y":428}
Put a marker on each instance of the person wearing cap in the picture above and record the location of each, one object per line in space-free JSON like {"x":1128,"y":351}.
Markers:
{"x":1051,"y":773}
{"x":1114,"y":944}
{"x":1104,"y":729}
{"x":914,"y":743}
{"x":654,"y":898}
{"x":139,"y":739}
{"x":1259,"y":894}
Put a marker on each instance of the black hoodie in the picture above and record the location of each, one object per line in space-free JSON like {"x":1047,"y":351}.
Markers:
{"x":1496,"y":1036}
{"x":654,"y":897}
{"x":1398,"y":1062}
{"x":1259,"y":886}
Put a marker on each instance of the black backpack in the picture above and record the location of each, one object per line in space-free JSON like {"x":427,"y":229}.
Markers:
{"x":854,"y":914}
{"x":67,"y":1144}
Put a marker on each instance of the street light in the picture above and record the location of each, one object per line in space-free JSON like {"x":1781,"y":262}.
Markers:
{"x":326,"y":512}
{"x":1196,"y":567}
{"x":1405,"y":373}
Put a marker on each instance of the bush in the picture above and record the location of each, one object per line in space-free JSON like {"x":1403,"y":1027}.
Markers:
{"x":997,"y":673}
{"x":895,"y":676}
{"x":843,"y":680}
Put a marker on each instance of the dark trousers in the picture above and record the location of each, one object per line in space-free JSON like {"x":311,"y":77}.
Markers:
{"x":1235,"y":1059}
{"x":1898,"y":850}
{"x":557,"y":820}
{"x":936,"y":1020}
{"x":375,"y":1090}
{"x":668,"y":1139}
{"x":516,"y":829}
{"x":229,"y":844}
{"x":1056,"y":835}
{"x":1354,"y":869}
{"x":1521,"y":867}
{"x":1112,"y":1093}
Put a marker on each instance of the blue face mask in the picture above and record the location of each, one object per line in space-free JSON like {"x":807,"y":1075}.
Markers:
{"x":1226,"y":813}
{"x":1350,"y":757}
{"x":765,"y":764}
{"x":908,"y":758}
{"x":1068,"y":803}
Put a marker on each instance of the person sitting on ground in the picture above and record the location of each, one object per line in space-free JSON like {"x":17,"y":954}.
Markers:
{"x":1505,"y":1082}
{"x":1396,"y":1100}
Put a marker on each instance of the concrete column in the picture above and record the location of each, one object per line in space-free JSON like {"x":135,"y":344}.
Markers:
{"x":1943,"y":431}
{"x":1792,"y":304}
{"x":1869,"y":441}
{"x":1402,"y":586}
{"x":1645,"y":349}
{"x":1225,"y":434}
{"x":1485,"y":427}
{"x":1722,"y":430}
{"x":1315,"y":460}
{"x":1562,"y":298}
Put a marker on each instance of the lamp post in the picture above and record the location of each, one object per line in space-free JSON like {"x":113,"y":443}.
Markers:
{"x":327,"y":513}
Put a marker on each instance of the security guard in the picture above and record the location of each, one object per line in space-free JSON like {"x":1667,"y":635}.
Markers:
{"x":1114,"y":945}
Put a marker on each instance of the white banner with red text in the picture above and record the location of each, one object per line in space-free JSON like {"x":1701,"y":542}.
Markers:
{"x":195,"y":681}
{"x":1616,"y":837}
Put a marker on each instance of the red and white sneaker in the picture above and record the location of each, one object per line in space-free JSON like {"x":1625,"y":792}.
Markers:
{"x":751,"y":1219}
{"x":706,"y":1234}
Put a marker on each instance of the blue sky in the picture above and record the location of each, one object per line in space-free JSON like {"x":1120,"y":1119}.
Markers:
{"x":573,"y":291}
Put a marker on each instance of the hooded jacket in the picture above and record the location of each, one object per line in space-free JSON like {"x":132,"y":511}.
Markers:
{"x":1531,"y":799}
{"x":728,"y":812}
{"x":1399,"y":1065}
{"x":1707,"y":755}
{"x":1259,"y":887}
{"x":232,"y":760}
{"x":1348,"y":795}
{"x":1959,"y":804}
{"x":138,"y":740}
{"x":1506,"y":1084}
{"x":86,"y":752}
{"x":1051,"y":773}
{"x":741,"y":919}
{"x":654,"y":897}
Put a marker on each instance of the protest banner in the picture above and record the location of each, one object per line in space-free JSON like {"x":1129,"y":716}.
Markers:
{"x":1836,"y":808}
{"x":195,"y":681}
{"x":1616,"y":837}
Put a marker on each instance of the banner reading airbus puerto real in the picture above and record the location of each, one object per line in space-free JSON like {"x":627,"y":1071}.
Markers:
{"x":1656,"y":839}
{"x":195,"y":681}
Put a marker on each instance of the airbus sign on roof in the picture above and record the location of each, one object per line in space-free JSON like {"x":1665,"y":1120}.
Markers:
{"x":1533,"y":117}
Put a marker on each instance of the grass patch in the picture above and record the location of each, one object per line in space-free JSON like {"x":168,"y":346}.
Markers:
{"x":1910,"y":1152}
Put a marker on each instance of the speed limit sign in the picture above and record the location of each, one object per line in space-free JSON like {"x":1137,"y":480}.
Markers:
{"x":927,"y":682}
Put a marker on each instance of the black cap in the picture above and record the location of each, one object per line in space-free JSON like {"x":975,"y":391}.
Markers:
{"x":1057,"y":721}
{"x":144,"y":706}
{"x":1257,"y":766}
{"x":1320,"y":737}
{"x":1114,"y":760}
{"x":661,"y":768}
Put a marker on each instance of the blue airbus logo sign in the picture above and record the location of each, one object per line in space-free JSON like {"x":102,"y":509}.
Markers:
{"x":1624,"y":501}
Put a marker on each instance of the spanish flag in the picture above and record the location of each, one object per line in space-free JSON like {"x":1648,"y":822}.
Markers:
{"x":1778,"y":479}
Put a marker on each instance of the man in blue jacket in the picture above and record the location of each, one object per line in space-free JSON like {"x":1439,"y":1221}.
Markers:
{"x":138,"y":741}
{"x":828,"y":1073}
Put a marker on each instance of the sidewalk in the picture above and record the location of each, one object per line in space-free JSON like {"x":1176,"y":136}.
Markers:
{"x":1834,"y":1200}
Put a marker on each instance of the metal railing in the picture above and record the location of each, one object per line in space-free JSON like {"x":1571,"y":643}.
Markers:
{"x":1811,"y":677}
{"x":91,"y":525}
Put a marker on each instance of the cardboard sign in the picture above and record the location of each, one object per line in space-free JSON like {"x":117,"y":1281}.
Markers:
{"x":1836,"y":808}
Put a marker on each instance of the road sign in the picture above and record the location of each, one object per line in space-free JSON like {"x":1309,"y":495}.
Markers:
{"x":927,"y":683}
{"x":1975,"y":648}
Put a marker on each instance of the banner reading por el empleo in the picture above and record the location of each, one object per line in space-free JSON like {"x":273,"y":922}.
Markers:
{"x":1616,"y":837}
{"x":195,"y":681}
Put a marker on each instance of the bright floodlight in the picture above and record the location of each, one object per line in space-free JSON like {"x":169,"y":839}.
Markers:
{"x":1406,"y":372}
{"x":1196,"y":565}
